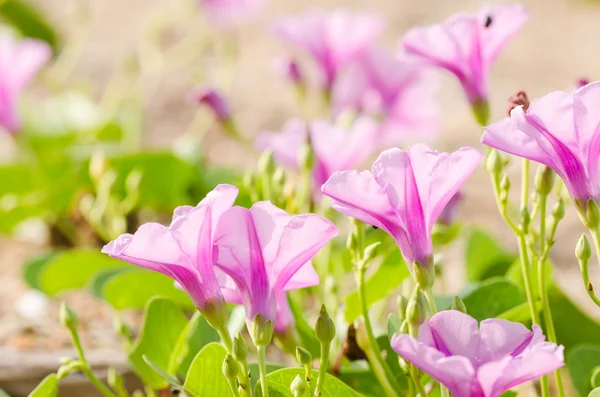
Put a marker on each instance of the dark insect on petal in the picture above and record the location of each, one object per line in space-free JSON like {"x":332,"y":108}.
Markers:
{"x":488,"y":21}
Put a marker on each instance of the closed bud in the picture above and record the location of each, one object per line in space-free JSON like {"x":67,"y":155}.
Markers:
{"x":544,"y":180}
{"x":279,"y":177}
{"x":114,"y":379}
{"x":481,"y":111}
{"x":459,"y":305}
{"x":67,"y":317}
{"x":68,"y":368}
{"x":240,"y":348}
{"x":266,"y":163}
{"x":249,"y":180}
{"x":592,"y":214}
{"x":416,"y":312}
{"x":303,"y":356}
{"x":525,"y":218}
{"x":351,"y":242}
{"x":402,"y":305}
{"x":558,"y":211}
{"x":493,"y":163}
{"x":98,"y":165}
{"x":298,"y":386}
{"x":424,"y":274}
{"x":505,"y":183}
{"x":306,"y":157}
{"x":583,"y":250}
{"x":371,"y":251}
{"x":324,"y":328}
{"x":230,"y":368}
{"x":262,"y":330}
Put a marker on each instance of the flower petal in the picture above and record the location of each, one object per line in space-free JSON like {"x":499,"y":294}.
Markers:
{"x":500,"y":338}
{"x":506,"y":21}
{"x":455,"y":333}
{"x":586,"y":101}
{"x":287,"y":143}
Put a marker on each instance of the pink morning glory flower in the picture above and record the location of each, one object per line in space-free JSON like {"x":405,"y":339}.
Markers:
{"x":333,"y":39}
{"x":467,"y":45}
{"x":231,"y":13}
{"x":20,"y":61}
{"x":404,"y":194}
{"x":184,"y":249}
{"x":398,"y":90}
{"x":267,"y":252}
{"x":478,"y":362}
{"x":335,"y":147}
{"x":560,"y":130}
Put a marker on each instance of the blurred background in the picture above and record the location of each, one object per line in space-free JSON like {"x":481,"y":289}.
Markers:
{"x":122,"y":76}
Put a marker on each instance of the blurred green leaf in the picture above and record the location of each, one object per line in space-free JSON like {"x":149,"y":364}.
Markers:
{"x":388,"y":276}
{"x":485,"y":257}
{"x":205,"y":376}
{"x":393,"y":325}
{"x":306,"y":333}
{"x":595,"y":378}
{"x":581,"y":361}
{"x":29,"y":21}
{"x":47,"y":387}
{"x":595,"y":392}
{"x":280,"y":380}
{"x":32,"y":269}
{"x":255,"y":375}
{"x":170,"y":379}
{"x":73,"y":269}
{"x":163,"y":323}
{"x":134,"y":288}
{"x":98,"y":281}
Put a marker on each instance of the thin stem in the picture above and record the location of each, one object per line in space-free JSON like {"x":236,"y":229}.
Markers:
{"x":525,"y":183}
{"x":379,"y":366}
{"x":262,"y":369}
{"x":232,"y":386}
{"x":244,"y":376}
{"x":414,"y":371}
{"x":322,"y":368}
{"x":589,"y":287}
{"x":228,"y":342}
{"x":502,"y":208}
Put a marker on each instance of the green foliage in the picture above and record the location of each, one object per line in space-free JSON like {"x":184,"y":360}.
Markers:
{"x":47,"y":387}
{"x":280,"y":381}
{"x":306,"y":332}
{"x":393,"y":325}
{"x":595,"y":392}
{"x":595,"y":378}
{"x":485,"y":257}
{"x":581,"y":361}
{"x":205,"y":377}
{"x":32,"y":269}
{"x":163,"y":323}
{"x":386,"y":279}
{"x":197,"y":334}
{"x":27,"y":20}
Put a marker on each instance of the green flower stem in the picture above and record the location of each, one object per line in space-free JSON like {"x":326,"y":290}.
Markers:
{"x":414,"y":371}
{"x":262,"y":369}
{"x":233,"y":387}
{"x":503,"y":208}
{"x":380,"y":368}
{"x":324,"y":363}
{"x":433,"y":310}
{"x":589,"y":286}
{"x":545,"y":245}
{"x":228,"y":343}
{"x":243,"y":378}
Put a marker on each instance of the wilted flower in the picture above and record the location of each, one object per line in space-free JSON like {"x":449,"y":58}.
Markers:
{"x":560,"y":130}
{"x":482,"y":362}
{"x":333,"y":39}
{"x":467,"y":45}
{"x":230,"y":13}
{"x":404,"y":194}
{"x":266,"y":252}
{"x":398,"y":90}
{"x":184,"y":250}
{"x":335,"y":147}
{"x":19,"y":63}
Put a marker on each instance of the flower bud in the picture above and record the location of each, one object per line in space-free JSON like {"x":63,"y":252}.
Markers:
{"x":459,"y":305}
{"x":262,"y":330}
{"x":324,"y":328}
{"x":544,"y":180}
{"x":249,"y":180}
{"x":68,"y":368}
{"x":416,"y":312}
{"x":303,"y":356}
{"x":298,"y":386}
{"x":98,"y":165}
{"x":351,"y":242}
{"x":371,"y":251}
{"x":289,"y":69}
{"x":525,"y":218}
{"x":424,"y":274}
{"x":592,"y":214}
{"x":67,"y":317}
{"x":266,"y":163}
{"x":114,"y":379}
{"x":279,"y":177}
{"x":494,"y":163}
{"x":230,"y":368}
{"x":558,"y":211}
{"x":583,"y":250}
{"x":481,"y":111}
{"x":240,"y":348}
{"x":402,"y":305}
{"x":306,"y":157}
{"x":210,"y":97}
{"x":215,"y":313}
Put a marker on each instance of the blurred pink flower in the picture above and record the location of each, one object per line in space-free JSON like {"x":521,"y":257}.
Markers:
{"x":333,"y":39}
{"x":482,"y":362}
{"x":289,"y":69}
{"x":20,"y":61}
{"x":209,"y":96}
{"x":335,"y":147}
{"x":184,"y":250}
{"x":560,"y":130}
{"x":399,"y":90}
{"x":231,"y":13}
{"x":467,"y":45}
{"x":404,"y":194}
{"x":267,"y":252}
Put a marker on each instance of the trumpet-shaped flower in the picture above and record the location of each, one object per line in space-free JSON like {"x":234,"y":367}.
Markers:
{"x":478,"y":362}
{"x":183,"y":250}
{"x":404,"y":194}
{"x":266,"y":252}
{"x":335,"y":147}
{"x":333,"y":39}
{"x":398,"y":90}
{"x":19,"y":63}
{"x":467,"y":45}
{"x":230,"y":13}
{"x":560,"y":130}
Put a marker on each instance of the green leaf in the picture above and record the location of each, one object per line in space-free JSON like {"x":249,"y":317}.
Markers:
{"x":386,"y":279}
{"x":519,"y":314}
{"x":485,"y":257}
{"x":170,"y":379}
{"x":595,"y":392}
{"x":393,"y":325}
{"x":163,"y":323}
{"x":98,"y":281}
{"x":47,"y":387}
{"x":581,"y":361}
{"x":255,"y":375}
{"x":73,"y":269}
{"x":28,"y":21}
{"x":133,"y":289}
{"x":32,"y":269}
{"x":205,"y":376}
{"x":572,"y":325}
{"x":509,"y":393}
{"x":306,"y":333}
{"x":595,"y":378}
{"x":279,"y":384}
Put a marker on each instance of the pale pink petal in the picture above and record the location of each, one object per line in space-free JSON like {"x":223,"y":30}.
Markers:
{"x":305,"y":277}
{"x":285,"y":144}
{"x":586,"y":101}
{"x":284,"y":318}
{"x":348,"y":35}
{"x":455,"y":334}
{"x":506,"y":21}
{"x":21,"y":60}
{"x":231,"y":13}
{"x":500,"y":338}
{"x":454,"y":372}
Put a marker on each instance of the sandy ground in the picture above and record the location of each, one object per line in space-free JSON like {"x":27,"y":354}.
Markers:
{"x":556,"y":47}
